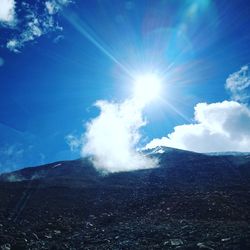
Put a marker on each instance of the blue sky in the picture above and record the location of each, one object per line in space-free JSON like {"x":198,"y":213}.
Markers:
{"x":67,"y":55}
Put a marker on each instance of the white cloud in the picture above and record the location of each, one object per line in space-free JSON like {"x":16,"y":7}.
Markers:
{"x":54,"y":6}
{"x":111,"y":138}
{"x":12,"y":45}
{"x":222,"y":126}
{"x":34,"y":28}
{"x":7,"y":11}
{"x":34,"y":22}
{"x":51,"y":8}
{"x":73,"y":141}
{"x":238,"y":84}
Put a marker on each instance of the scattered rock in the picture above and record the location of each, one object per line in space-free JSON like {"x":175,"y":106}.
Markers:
{"x":203,"y":246}
{"x":226,"y":239}
{"x":6,"y":246}
{"x":35,"y":235}
{"x":57,"y":232}
{"x":176,"y":242}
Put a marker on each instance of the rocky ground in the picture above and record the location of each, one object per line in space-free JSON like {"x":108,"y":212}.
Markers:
{"x":35,"y":217}
{"x":192,"y":201}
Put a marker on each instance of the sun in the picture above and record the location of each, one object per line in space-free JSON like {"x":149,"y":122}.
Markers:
{"x":147,"y":87}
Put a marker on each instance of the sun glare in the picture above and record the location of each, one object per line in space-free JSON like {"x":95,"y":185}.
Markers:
{"x":146,"y":88}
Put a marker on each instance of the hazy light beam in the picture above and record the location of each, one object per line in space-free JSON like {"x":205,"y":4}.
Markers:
{"x":83,"y":29}
{"x":176,"y":111}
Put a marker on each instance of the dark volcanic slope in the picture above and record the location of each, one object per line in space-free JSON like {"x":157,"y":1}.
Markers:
{"x":177,"y":169}
{"x":191,"y":201}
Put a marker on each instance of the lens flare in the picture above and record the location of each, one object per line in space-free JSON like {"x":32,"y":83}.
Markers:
{"x":146,"y":88}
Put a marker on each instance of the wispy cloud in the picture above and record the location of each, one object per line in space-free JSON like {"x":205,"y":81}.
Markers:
{"x":33,"y":23}
{"x":54,"y":6}
{"x":10,"y":156}
{"x":73,"y":142}
{"x":18,"y":153}
{"x":238,"y":84}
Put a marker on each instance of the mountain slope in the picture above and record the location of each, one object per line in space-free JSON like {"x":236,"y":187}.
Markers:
{"x":177,"y":168}
{"x":191,"y":201}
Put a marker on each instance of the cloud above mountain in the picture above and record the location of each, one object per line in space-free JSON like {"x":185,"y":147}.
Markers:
{"x":111,"y":137}
{"x":221,"y":126}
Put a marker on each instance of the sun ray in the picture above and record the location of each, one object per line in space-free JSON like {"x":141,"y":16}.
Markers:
{"x":172,"y":107}
{"x":89,"y":34}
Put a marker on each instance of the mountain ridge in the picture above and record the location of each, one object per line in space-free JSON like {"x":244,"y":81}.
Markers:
{"x":194,"y":169}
